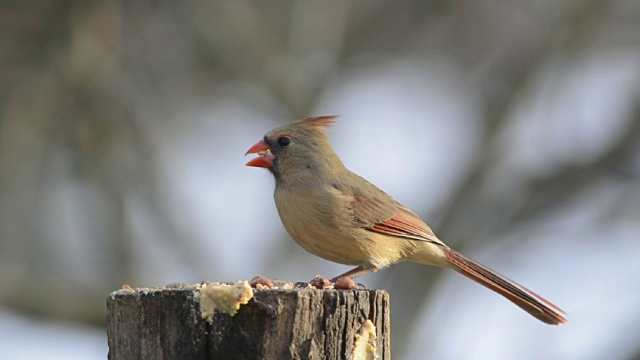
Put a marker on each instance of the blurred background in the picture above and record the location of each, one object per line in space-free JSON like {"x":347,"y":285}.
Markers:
{"x":511,"y":127}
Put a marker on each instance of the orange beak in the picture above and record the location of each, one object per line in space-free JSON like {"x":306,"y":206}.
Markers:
{"x":265,"y":158}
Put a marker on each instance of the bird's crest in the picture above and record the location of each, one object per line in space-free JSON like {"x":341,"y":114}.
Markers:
{"x":320,"y":121}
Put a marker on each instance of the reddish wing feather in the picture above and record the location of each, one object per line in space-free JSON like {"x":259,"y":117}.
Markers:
{"x":379,"y":212}
{"x":405,"y":223}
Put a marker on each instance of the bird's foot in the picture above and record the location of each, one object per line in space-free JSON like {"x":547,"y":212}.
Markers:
{"x":357,"y":271}
{"x":345,"y":283}
{"x":342,"y":283}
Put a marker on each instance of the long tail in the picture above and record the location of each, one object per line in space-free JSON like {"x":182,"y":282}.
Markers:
{"x":526,"y":299}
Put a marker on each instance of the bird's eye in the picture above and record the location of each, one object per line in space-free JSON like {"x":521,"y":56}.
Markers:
{"x":284,"y":141}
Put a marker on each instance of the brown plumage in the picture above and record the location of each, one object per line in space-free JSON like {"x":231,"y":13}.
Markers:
{"x":339,"y":216}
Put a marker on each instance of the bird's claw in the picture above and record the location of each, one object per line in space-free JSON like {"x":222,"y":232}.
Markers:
{"x":343,"y":283}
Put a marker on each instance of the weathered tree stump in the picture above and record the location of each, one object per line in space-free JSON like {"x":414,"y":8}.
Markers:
{"x":298,"y":323}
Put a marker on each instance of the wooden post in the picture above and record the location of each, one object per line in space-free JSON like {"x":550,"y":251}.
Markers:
{"x":298,"y":323}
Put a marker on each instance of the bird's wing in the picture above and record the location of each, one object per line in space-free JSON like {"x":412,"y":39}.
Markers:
{"x":374,"y":210}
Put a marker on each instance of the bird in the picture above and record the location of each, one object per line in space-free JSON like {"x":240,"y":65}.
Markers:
{"x":339,"y":216}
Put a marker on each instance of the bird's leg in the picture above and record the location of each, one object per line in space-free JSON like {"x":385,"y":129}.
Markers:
{"x":354,"y":273}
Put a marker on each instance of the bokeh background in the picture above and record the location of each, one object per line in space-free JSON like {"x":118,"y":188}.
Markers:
{"x":512,"y":127}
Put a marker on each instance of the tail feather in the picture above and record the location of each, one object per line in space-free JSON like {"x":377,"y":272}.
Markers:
{"x":526,"y":299}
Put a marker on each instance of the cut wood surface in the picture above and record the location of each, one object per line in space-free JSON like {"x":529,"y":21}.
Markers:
{"x":298,"y":323}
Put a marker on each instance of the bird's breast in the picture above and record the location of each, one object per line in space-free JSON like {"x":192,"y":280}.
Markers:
{"x":310,"y":220}
{"x":320,"y":223}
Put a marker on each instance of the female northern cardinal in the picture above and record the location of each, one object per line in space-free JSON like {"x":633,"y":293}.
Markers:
{"x":339,"y":216}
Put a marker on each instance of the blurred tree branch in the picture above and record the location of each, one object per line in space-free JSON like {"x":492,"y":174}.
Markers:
{"x":566,"y":184}
{"x":456,"y":225}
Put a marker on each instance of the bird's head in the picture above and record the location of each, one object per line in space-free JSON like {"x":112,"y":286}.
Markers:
{"x":298,"y":147}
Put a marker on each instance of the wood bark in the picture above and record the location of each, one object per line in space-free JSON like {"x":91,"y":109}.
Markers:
{"x":300,"y":323}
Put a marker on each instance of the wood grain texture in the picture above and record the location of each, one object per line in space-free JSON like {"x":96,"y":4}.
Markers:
{"x":275,"y":324}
